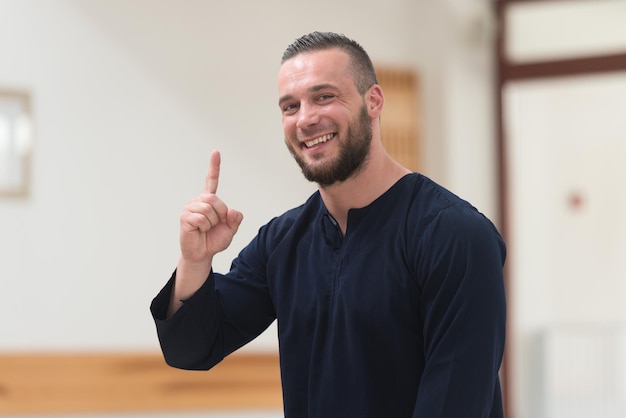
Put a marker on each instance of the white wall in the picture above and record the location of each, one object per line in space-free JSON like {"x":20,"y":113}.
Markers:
{"x":131,"y":96}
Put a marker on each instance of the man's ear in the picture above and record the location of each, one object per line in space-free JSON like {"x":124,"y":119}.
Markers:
{"x":375,"y":100}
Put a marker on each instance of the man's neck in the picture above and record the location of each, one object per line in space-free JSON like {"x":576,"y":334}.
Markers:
{"x":379,"y":174}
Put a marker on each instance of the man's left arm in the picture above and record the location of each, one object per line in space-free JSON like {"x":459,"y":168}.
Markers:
{"x":464,"y":316}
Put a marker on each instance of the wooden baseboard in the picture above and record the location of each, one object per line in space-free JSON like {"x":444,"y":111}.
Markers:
{"x":122,"y":382}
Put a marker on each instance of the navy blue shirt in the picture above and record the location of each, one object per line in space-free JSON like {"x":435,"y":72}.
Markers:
{"x":404,"y":316}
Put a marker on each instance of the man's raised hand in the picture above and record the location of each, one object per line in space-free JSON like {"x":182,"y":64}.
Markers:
{"x":207,"y":225}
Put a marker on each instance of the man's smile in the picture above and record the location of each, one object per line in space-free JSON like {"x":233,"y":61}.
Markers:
{"x":319,"y":140}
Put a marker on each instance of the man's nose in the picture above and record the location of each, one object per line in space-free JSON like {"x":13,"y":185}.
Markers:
{"x":307,"y":116}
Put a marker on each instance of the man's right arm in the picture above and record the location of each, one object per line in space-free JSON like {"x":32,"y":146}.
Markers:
{"x":207,"y":226}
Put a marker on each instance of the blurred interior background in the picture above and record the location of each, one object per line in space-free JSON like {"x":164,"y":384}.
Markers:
{"x":109,"y":110}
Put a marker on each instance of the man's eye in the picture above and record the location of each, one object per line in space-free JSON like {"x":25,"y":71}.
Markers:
{"x":290,"y":108}
{"x":325,"y":97}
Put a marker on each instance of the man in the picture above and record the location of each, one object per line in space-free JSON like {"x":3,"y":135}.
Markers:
{"x":387,"y":288}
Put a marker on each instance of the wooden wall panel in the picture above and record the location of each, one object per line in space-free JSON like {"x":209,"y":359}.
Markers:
{"x":400,"y":119}
{"x":123,"y":382}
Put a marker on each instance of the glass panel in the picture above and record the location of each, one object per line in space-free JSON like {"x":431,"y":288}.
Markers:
{"x":549,"y":30}
{"x":15,"y":143}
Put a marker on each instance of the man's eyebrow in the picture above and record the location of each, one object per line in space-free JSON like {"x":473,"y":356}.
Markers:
{"x":311,"y":89}
{"x":319,"y":87}
{"x":284,"y":99}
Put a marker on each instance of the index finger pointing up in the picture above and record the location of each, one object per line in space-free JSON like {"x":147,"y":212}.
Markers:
{"x":213,"y":176}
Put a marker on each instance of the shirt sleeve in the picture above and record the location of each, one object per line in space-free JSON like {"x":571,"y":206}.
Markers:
{"x":227,"y":312}
{"x":189,"y":339}
{"x":460,"y":269}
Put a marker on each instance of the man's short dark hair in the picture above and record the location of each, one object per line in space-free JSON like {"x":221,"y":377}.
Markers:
{"x":360,"y":63}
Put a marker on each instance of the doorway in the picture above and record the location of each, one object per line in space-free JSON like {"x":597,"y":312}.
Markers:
{"x":562,"y":140}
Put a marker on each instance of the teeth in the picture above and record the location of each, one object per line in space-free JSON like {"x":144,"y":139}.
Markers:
{"x":319,"y":140}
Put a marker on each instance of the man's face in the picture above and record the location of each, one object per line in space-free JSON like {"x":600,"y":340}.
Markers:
{"x":325,"y":120}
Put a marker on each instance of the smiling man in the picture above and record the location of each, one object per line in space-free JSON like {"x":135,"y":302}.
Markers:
{"x":387,"y":288}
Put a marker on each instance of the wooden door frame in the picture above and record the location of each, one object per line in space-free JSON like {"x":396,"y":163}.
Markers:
{"x":506,"y":72}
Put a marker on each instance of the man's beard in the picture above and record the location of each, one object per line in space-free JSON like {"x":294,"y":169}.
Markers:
{"x":353,"y":154}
